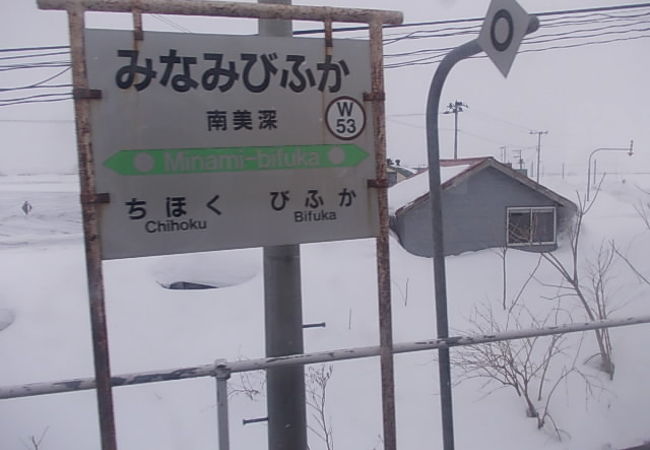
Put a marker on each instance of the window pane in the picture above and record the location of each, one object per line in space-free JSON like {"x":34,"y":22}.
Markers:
{"x":543,"y":226}
{"x":518,"y":227}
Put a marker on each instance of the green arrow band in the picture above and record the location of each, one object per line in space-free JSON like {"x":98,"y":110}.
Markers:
{"x":234,"y":159}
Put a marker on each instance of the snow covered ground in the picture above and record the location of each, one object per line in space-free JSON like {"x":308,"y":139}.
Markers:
{"x":45,"y":335}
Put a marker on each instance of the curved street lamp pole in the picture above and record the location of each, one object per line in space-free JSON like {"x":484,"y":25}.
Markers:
{"x":630,"y":152}
{"x":458,"y":54}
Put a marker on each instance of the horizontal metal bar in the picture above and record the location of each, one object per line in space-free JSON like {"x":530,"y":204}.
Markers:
{"x":231,"y":9}
{"x":80,"y":384}
{"x":258,"y":420}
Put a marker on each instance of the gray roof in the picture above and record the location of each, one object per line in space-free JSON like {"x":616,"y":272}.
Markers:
{"x":409,"y":193}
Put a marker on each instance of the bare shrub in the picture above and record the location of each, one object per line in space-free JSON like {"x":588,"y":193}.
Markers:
{"x":34,"y":442}
{"x":592,"y":297}
{"x":250,"y":385}
{"x":316,"y":386}
{"x":534,"y":367}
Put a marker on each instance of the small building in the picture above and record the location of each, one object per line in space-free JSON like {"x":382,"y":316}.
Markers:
{"x":485,"y":204}
{"x":397,"y":173}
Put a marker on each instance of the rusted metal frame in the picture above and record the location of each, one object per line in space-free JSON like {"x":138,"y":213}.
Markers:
{"x":90,"y":211}
{"x":101,"y":198}
{"x":329,"y":41}
{"x":382,"y":243}
{"x":81,"y":384}
{"x":232,"y":9}
{"x":138,"y":34}
{"x":86,"y":94}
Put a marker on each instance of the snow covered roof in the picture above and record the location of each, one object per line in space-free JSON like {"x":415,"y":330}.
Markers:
{"x":404,"y":194}
{"x":407,"y":191}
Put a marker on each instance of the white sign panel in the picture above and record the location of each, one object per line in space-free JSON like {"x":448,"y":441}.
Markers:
{"x":208,"y":142}
{"x":503,"y":30}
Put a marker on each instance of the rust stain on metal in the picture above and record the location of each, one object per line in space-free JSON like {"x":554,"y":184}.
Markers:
{"x":71,"y":385}
{"x":329,"y":42}
{"x":231,"y":9}
{"x":138,"y":34}
{"x":374,"y":96}
{"x":224,"y":367}
{"x":86,"y":94}
{"x":103,"y":197}
{"x":378,"y":184}
{"x":91,"y":229}
{"x":382,"y":244}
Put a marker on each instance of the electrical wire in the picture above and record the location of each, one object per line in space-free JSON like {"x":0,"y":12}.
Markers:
{"x":37,"y":55}
{"x":29,"y":49}
{"x":22,"y":102}
{"x":480,"y":19}
{"x":590,"y":26}
{"x":438,"y":57}
{"x":40,"y":65}
{"x":40,"y":84}
{"x":499,"y":119}
{"x":171,"y":23}
{"x":38,"y":120}
{"x":30,"y":97}
{"x":426,"y":34}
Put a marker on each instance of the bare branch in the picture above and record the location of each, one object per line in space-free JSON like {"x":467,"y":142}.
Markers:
{"x":631,"y":266}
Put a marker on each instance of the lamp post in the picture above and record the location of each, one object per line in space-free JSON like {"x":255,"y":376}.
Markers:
{"x":499,"y":41}
{"x":630,"y":152}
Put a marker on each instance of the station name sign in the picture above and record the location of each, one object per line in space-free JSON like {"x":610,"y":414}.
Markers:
{"x":210,"y":142}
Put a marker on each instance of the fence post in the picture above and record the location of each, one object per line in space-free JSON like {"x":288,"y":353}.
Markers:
{"x":222,"y":374}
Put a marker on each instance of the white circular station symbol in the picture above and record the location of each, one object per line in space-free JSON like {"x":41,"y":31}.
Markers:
{"x":336,"y":155}
{"x":346,"y":118}
{"x":143,"y":162}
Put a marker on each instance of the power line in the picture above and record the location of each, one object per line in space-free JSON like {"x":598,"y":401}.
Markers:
{"x":171,"y":23}
{"x":23,"y":102}
{"x":37,"y":55}
{"x":38,"y":120}
{"x":438,"y":58}
{"x":40,"y":65}
{"x":29,"y":49}
{"x":618,"y":26}
{"x":498,"y":119}
{"x":403,"y":25}
{"x":30,"y":97}
{"x":574,"y":35}
{"x":41,"y":84}
{"x":480,"y":19}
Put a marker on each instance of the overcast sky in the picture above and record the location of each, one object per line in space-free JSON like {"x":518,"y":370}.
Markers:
{"x":585,"y":97}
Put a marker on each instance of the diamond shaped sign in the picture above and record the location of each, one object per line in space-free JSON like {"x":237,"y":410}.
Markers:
{"x":504,"y":28}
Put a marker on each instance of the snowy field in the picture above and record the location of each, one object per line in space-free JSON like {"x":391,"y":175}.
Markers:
{"x":45,"y":335}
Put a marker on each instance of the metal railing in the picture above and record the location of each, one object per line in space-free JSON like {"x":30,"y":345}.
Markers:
{"x":221,"y":369}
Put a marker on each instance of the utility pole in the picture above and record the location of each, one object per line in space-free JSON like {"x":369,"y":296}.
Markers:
{"x":520,"y":160}
{"x":285,"y":386}
{"x":455,"y":108}
{"x":539,"y":148}
{"x":503,"y":153}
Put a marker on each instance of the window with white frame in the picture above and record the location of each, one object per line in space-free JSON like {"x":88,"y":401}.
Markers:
{"x":531,"y":226}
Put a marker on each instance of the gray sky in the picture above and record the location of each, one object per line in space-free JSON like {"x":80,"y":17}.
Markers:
{"x":586,"y":97}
